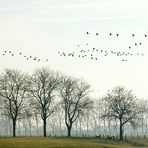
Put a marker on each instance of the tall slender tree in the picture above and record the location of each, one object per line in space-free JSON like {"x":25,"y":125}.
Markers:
{"x":13,"y":90}
{"x":75,"y":100}
{"x":44,"y":83}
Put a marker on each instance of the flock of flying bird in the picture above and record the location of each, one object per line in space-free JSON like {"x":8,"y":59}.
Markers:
{"x":34,"y":58}
{"x":90,"y":53}
{"x":96,"y":53}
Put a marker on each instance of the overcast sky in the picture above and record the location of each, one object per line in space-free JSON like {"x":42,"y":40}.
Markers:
{"x":42,"y":28}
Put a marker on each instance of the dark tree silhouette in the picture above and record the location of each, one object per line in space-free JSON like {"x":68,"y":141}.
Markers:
{"x":44,"y":83}
{"x":13,"y":89}
{"x":121,"y":104}
{"x":75,"y":100}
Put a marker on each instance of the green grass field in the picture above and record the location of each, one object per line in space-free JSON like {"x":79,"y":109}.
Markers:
{"x":40,"y":142}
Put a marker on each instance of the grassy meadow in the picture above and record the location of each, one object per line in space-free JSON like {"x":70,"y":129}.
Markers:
{"x":40,"y":142}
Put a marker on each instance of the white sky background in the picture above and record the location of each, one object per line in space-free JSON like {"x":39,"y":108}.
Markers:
{"x":43,"y":27}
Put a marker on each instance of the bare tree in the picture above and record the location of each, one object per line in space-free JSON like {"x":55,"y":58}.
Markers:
{"x":13,"y":89}
{"x":121,"y":104}
{"x":75,"y":100}
{"x":44,"y":83}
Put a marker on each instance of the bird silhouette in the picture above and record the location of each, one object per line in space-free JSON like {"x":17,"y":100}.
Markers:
{"x":124,"y":60}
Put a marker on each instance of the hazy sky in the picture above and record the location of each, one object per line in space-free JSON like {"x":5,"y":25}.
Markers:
{"x":41,"y":28}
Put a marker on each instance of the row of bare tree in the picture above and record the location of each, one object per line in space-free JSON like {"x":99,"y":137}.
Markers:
{"x":47,"y":94}
{"x":43,"y":92}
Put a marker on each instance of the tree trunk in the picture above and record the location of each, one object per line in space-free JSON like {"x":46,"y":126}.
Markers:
{"x":69,"y":126}
{"x":44,"y":127}
{"x":60,"y":122}
{"x":69,"y":131}
{"x":121,"y":131}
{"x":87,"y":126}
{"x":30,"y":128}
{"x":19,"y":129}
{"x":76,"y":129}
{"x":14,"y":127}
{"x":37,"y":125}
